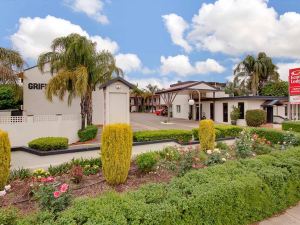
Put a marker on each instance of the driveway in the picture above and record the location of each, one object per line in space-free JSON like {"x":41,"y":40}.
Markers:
{"x":150,"y":121}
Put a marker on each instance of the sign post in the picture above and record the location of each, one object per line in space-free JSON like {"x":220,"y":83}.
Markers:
{"x":294,"y":86}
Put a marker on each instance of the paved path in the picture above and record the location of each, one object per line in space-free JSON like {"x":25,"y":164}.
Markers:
{"x":27,"y":160}
{"x":290,"y":217}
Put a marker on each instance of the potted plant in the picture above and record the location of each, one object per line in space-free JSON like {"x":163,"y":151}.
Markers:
{"x":234,"y":115}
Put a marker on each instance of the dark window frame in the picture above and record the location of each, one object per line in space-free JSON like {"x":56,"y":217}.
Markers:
{"x":241,"y":106}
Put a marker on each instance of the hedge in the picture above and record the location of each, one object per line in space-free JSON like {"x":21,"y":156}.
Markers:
{"x":234,"y":193}
{"x":273,"y":135}
{"x":183,"y":136}
{"x":89,"y":133}
{"x":222,"y":131}
{"x":291,"y":125}
{"x":49,"y":143}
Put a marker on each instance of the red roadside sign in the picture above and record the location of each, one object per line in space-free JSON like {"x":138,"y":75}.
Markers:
{"x":294,"y":85}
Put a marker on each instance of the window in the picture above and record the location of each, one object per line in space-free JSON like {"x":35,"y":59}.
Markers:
{"x":225,"y":112}
{"x":178,"y":108}
{"x":242,"y":110}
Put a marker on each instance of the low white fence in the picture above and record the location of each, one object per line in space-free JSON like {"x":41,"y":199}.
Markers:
{"x":22,"y":129}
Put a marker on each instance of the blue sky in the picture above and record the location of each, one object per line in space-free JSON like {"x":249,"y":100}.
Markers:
{"x":161,"y":41}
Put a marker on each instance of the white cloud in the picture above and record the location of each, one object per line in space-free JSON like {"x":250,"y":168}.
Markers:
{"x":236,"y":27}
{"x":180,"y":64}
{"x":92,"y":8}
{"x":35,"y":35}
{"x":159,"y":82}
{"x":176,"y":26}
{"x":283,"y":69}
{"x":131,"y":62}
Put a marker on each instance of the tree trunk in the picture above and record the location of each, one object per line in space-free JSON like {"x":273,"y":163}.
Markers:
{"x":89,"y":106}
{"x":152,"y":104}
{"x":82,"y":112}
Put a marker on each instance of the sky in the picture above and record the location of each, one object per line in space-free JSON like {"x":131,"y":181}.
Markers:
{"x":162,"y":41}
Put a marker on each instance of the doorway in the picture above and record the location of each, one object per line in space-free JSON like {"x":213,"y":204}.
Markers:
{"x":270,"y":114}
{"x":212,"y":111}
{"x":225,"y":112}
{"x":197,"y":111}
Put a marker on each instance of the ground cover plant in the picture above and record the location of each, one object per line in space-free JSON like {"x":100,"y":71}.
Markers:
{"x":291,"y":126}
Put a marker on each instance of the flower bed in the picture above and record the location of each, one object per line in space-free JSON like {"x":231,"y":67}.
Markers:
{"x":291,"y":126}
{"x":228,"y":194}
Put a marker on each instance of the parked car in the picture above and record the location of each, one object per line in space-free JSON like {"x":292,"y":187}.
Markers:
{"x":161,"y":112}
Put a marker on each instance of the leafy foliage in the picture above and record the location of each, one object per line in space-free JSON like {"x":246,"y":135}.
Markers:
{"x":255,"y":117}
{"x":291,"y":126}
{"x":5,"y":158}
{"x":183,"y":136}
{"x":235,"y":113}
{"x":280,"y":88}
{"x":21,"y":174}
{"x":8,"y":97}
{"x":147,"y":161}
{"x":116,"y":151}
{"x":49,"y":143}
{"x":207,"y":134}
{"x":88,"y":133}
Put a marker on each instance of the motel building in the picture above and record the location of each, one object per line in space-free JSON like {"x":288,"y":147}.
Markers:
{"x":196,"y":100}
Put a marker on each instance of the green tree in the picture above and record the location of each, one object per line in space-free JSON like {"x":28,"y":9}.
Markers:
{"x":78,"y":69}
{"x":138,"y":93}
{"x":253,"y":73}
{"x":280,"y":88}
{"x":8,"y":98}
{"x":235,"y":90}
{"x":152,"y":89}
{"x":11,"y":68}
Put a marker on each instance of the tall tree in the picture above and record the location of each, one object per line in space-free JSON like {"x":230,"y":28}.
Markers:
{"x":78,"y":69}
{"x":152,"y":89}
{"x":138,"y":93}
{"x":280,"y":88}
{"x":253,"y":73}
{"x":11,"y":68}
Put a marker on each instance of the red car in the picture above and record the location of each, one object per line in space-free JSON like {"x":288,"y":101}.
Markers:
{"x":161,"y":112}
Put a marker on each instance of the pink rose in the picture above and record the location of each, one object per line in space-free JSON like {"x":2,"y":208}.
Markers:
{"x":50,"y":179}
{"x":43,"y":180}
{"x":56,"y":194}
{"x":64,"y":188}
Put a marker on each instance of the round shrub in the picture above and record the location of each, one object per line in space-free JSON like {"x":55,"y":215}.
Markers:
{"x":207,"y":134}
{"x":49,"y":143}
{"x":255,"y":117}
{"x":88,"y":133}
{"x":5,"y":157}
{"x":146,"y":161}
{"x":116,"y":152}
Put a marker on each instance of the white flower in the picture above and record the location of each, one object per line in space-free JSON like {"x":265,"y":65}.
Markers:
{"x":209,"y":152}
{"x":7,"y":187}
{"x":284,"y":142}
{"x":254,"y":154}
{"x":217,"y":150}
{"x":223,"y":159}
{"x":2,"y":193}
{"x":227,"y":154}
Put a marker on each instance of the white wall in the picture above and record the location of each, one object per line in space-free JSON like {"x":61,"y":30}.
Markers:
{"x":22,"y":130}
{"x":182,"y":100}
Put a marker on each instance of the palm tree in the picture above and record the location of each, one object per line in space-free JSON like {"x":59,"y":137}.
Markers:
{"x":137,"y":93}
{"x":152,"y":90}
{"x":253,"y":73}
{"x":78,"y":70}
{"x":11,"y":67}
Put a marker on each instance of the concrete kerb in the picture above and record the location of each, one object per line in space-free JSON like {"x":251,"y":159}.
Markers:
{"x":91,"y":147}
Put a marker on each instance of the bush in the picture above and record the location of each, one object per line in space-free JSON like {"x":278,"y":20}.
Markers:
{"x":8,"y":98}
{"x":182,"y":136}
{"x":19,"y":174}
{"x":228,"y":130}
{"x":291,"y":126}
{"x":276,"y":136}
{"x":116,"y":152}
{"x":222,"y":131}
{"x":147,"y":161}
{"x":256,"y":117}
{"x":8,"y":216}
{"x":89,"y":133}
{"x":234,"y":193}
{"x":49,"y":143}
{"x":5,"y":157}
{"x":207,"y":134}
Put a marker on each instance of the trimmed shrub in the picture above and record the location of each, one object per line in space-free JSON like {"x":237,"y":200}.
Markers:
{"x":291,"y":125}
{"x":234,"y":193}
{"x":207,"y":134}
{"x":49,"y":143}
{"x":88,"y":133}
{"x":116,"y":152}
{"x":228,"y":130}
{"x":5,"y":157}
{"x":256,"y":117}
{"x":222,"y":131}
{"x":147,"y":161}
{"x":182,"y":136}
{"x":275,"y":136}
